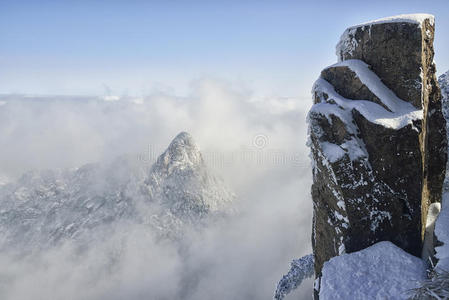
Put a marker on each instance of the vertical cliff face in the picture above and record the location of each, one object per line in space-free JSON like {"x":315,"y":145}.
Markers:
{"x":378,"y":139}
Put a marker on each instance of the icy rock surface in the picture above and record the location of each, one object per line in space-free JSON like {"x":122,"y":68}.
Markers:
{"x":43,"y":208}
{"x":377,"y":139}
{"x":300,"y":269}
{"x":442,"y":223}
{"x":381,"y":271}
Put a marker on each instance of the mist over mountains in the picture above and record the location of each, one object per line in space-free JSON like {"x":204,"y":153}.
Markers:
{"x":94,"y":221}
{"x":43,"y":208}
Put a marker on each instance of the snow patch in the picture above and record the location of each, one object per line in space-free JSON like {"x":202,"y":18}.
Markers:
{"x":333,"y":152}
{"x":382,"y":271}
{"x":403,"y":115}
{"x":341,"y":248}
{"x":375,"y":85}
{"x":428,"y":246}
{"x":341,"y":204}
{"x":405,"y":18}
{"x":340,"y":217}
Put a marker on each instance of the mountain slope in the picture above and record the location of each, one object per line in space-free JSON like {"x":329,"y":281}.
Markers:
{"x":180,"y":181}
{"x":43,"y":208}
{"x":441,"y":225}
{"x":443,"y":81}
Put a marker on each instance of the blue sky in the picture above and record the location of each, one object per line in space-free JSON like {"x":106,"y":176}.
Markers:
{"x":136,"y":47}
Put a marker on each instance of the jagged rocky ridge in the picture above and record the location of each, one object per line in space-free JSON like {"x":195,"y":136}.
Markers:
{"x":47,"y":207}
{"x":443,"y":81}
{"x":377,"y":138}
{"x":442,"y":223}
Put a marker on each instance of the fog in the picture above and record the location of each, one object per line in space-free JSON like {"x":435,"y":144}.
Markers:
{"x":256,"y":144}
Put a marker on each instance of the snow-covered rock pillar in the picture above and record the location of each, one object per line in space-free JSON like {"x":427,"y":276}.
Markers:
{"x":378,"y":139}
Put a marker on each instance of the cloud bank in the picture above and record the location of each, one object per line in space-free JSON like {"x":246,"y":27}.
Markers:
{"x":256,"y":145}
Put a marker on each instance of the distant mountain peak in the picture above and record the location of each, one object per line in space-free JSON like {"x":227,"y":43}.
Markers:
{"x":183,"y":137}
{"x":183,"y":143}
{"x":444,"y":81}
{"x":43,"y":208}
{"x":181,"y":180}
{"x":181,"y":153}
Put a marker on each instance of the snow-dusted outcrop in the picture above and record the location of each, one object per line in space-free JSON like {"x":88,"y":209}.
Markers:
{"x":377,"y":138}
{"x":180,"y":181}
{"x":300,"y":269}
{"x":381,"y":271}
{"x":442,"y":223}
{"x":43,"y":208}
{"x":443,"y":80}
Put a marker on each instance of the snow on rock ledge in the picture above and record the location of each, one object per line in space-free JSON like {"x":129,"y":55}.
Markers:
{"x":382,"y":271}
{"x":405,"y":18}
{"x":388,"y":110}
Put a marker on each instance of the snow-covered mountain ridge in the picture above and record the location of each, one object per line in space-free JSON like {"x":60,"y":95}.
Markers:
{"x":441,"y":227}
{"x":43,"y":208}
{"x":180,"y":181}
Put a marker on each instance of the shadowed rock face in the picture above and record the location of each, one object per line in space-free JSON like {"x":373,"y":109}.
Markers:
{"x":378,"y":139}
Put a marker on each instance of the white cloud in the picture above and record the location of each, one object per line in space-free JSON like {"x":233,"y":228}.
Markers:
{"x":242,"y":259}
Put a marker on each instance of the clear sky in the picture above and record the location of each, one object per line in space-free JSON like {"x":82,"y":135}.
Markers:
{"x":135,"y":47}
